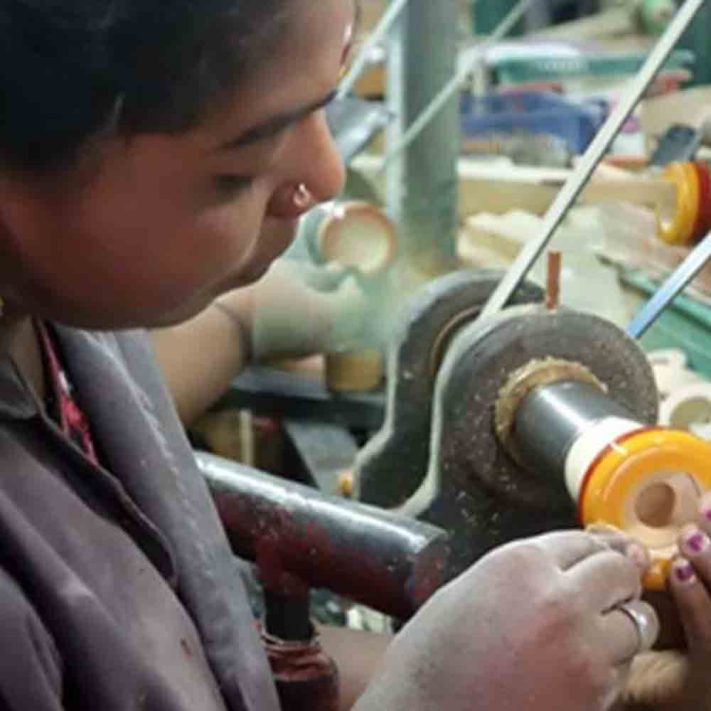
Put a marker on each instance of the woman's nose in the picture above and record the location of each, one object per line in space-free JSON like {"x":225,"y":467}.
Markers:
{"x":324,"y":171}
{"x":317,"y":169}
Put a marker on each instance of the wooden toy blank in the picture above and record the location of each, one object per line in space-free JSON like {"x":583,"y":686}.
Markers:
{"x":688,"y":408}
{"x":658,"y":511}
{"x":354,"y":372}
{"x":358,"y":235}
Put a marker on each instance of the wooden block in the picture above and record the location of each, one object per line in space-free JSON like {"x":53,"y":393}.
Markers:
{"x":354,"y":372}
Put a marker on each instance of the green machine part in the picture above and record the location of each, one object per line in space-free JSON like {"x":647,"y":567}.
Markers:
{"x":653,"y":16}
{"x":488,"y":14}
{"x":697,"y":40}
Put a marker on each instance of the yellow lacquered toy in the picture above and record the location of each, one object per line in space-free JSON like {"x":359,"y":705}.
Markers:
{"x":680,"y":229}
{"x":649,"y":483}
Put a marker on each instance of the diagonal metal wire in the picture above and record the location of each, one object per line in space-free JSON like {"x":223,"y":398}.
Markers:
{"x":380,"y":32}
{"x":677,"y":282}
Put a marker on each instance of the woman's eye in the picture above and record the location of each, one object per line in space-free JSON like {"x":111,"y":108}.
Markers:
{"x":231,"y":185}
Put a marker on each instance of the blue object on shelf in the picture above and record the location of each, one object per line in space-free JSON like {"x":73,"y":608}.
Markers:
{"x":537,"y":113}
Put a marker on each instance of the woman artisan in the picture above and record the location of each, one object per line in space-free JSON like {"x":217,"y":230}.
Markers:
{"x":154,"y":155}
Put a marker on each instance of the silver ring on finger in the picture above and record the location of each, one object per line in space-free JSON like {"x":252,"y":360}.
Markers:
{"x":645,"y":622}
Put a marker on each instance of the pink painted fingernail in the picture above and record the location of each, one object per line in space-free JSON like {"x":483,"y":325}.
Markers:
{"x":696,"y":542}
{"x":684,"y":572}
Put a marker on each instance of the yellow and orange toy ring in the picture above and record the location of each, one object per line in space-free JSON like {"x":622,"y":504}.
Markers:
{"x":680,"y":230}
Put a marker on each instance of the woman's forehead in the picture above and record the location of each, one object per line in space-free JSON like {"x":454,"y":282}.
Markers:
{"x":303,"y":70}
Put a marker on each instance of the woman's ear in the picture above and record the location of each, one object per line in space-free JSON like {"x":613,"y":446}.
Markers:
{"x":21,"y":212}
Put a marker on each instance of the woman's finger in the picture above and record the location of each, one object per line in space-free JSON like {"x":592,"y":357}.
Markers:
{"x":605,"y":580}
{"x":621,"y":542}
{"x":705,"y":515}
{"x":611,"y":536}
{"x":695,"y":546}
{"x":567,"y":548}
{"x":694,"y":604}
{"x":628,"y":630}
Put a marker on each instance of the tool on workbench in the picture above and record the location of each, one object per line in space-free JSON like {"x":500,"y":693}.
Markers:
{"x":679,"y":143}
{"x":675,"y":284}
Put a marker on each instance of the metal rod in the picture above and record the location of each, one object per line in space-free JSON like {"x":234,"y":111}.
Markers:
{"x":378,"y":35}
{"x":288,"y":617}
{"x":300,"y":537}
{"x":677,"y":282}
{"x":555,"y":266}
{"x":450,"y":90}
{"x":595,"y":153}
{"x":552,"y":417}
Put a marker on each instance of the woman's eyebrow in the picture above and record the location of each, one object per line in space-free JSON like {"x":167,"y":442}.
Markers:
{"x":275,"y":125}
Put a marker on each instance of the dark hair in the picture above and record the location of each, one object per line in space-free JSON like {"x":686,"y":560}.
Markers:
{"x":73,"y":69}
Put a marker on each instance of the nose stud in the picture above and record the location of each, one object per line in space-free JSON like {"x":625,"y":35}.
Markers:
{"x":302,"y":198}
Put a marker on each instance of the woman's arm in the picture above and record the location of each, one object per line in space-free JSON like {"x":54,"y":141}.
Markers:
{"x":201,"y":358}
{"x":681,"y":680}
{"x":281,"y":316}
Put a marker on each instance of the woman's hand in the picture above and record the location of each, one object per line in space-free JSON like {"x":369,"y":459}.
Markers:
{"x":298,"y":310}
{"x":680,"y":679}
{"x":690,"y":585}
{"x":535,"y":625}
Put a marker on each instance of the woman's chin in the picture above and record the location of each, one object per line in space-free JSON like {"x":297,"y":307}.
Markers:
{"x":247,"y":276}
{"x":254,"y":275}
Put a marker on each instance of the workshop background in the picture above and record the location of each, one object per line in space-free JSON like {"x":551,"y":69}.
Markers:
{"x":462,"y":123}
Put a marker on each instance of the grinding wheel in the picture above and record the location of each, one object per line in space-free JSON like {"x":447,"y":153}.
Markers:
{"x":473,"y":488}
{"x":393,"y":464}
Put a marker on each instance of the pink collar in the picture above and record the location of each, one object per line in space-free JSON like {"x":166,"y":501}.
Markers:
{"x":72,"y":419}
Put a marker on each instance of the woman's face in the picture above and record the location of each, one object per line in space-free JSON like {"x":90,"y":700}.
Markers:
{"x":168,"y":222}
